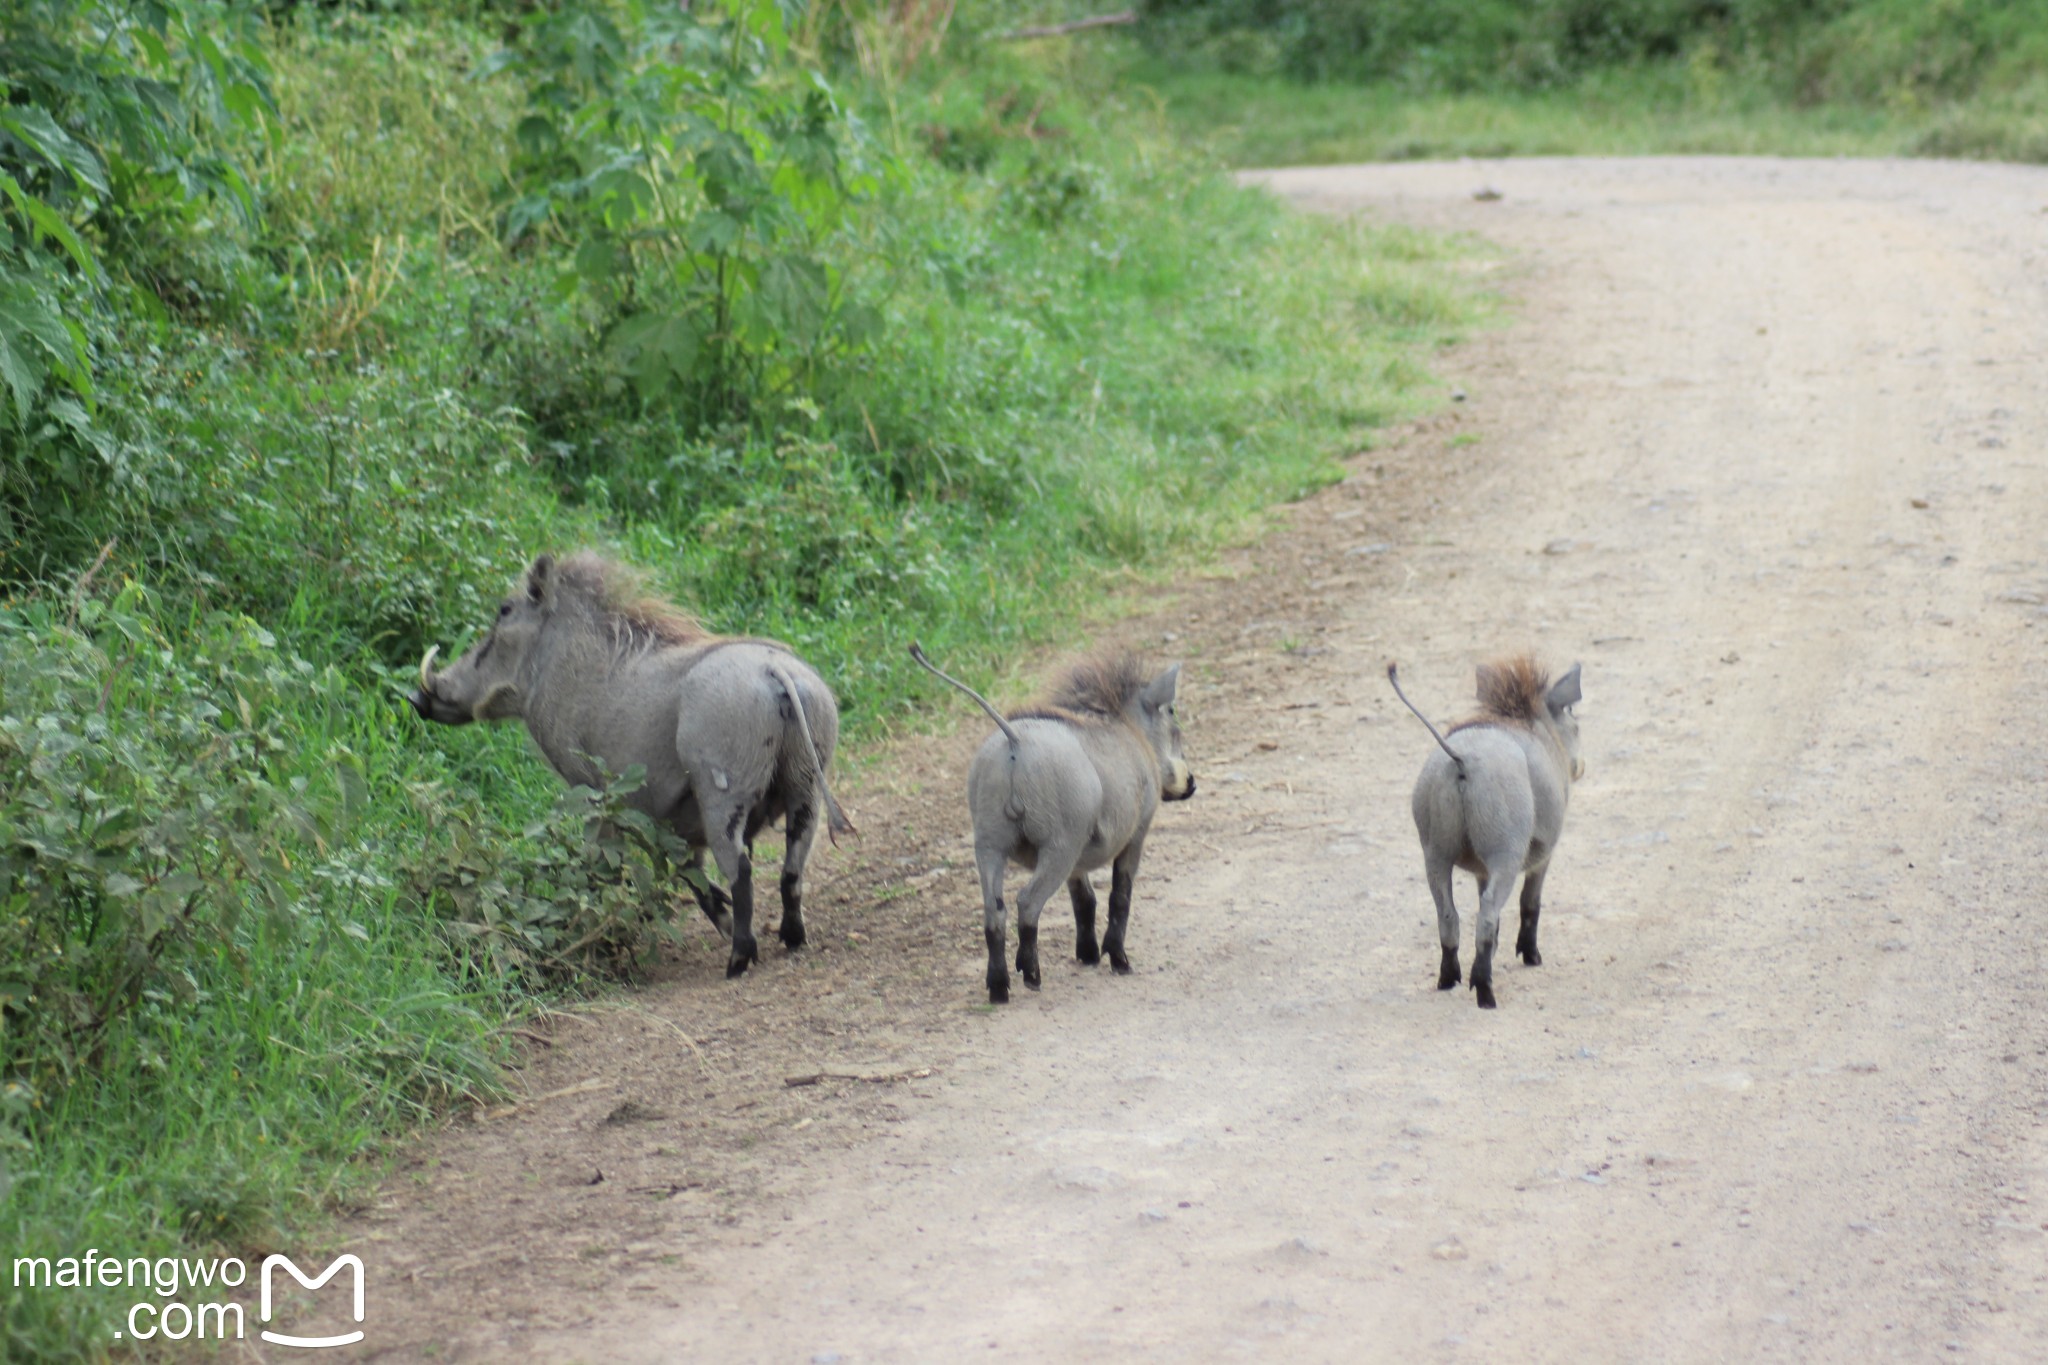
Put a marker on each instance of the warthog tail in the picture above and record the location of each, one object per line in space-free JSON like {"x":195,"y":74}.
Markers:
{"x":917,"y":653}
{"x":836,"y":822}
{"x":1396,"y":681}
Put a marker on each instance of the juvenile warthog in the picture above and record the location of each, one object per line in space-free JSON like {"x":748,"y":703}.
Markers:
{"x":1064,"y":787}
{"x":733,"y":733}
{"x":1493,"y":804}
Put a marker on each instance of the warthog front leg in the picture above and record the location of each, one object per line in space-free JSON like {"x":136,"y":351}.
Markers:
{"x":1123,"y":875}
{"x":1532,"y":906}
{"x":802,"y":828}
{"x":1439,"y":873}
{"x":991,"y":863}
{"x":1083,"y":896}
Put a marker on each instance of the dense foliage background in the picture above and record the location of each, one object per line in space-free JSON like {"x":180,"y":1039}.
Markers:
{"x":1282,"y":81}
{"x":1817,"y":50}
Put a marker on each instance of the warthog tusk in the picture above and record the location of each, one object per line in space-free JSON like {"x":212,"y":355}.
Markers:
{"x":426,"y":667}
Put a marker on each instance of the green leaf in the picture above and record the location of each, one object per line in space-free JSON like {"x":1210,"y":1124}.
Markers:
{"x":623,"y":192}
{"x":355,"y":789}
{"x":597,"y":258}
{"x":859,"y":324}
{"x":713,"y":231}
{"x":23,"y":377}
{"x":656,"y":349}
{"x":246,"y":103}
{"x":35,"y":127}
{"x":537,"y":135}
{"x":49,"y":223}
{"x":527,"y":214}
{"x":794,"y":296}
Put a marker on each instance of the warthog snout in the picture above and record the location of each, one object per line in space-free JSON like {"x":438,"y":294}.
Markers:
{"x":430,"y":704}
{"x":1180,"y":784}
{"x":1578,"y":769}
{"x":422,"y":695}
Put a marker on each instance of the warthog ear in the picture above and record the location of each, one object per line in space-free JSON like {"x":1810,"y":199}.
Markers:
{"x":1159,"y":692}
{"x":1564,"y":692}
{"x":537,"y":578}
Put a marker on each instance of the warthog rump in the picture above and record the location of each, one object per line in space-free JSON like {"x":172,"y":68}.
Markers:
{"x":1492,"y":802}
{"x":733,"y":733}
{"x":1065,"y":787}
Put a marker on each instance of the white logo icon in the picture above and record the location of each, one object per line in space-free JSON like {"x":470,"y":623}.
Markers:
{"x":351,"y":1262}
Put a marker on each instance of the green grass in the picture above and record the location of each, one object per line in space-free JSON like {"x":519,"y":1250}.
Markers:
{"x":1681,"y":108}
{"x":1303,"y":81}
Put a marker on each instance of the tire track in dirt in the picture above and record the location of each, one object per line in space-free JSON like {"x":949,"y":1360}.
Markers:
{"x":1764,"y":447}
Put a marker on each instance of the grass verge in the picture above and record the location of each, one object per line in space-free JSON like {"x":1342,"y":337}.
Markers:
{"x":1672,"y":109}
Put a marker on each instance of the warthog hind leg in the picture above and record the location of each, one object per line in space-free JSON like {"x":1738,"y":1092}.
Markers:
{"x":745,"y":951}
{"x":736,"y":862}
{"x":1053,"y":865}
{"x":1083,"y":896}
{"x":1532,"y":906}
{"x":1493,"y":894}
{"x":990,"y":863}
{"x":1439,"y":872}
{"x":711,"y":898}
{"x":802,"y":827}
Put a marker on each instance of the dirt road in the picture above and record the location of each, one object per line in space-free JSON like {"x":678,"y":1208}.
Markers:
{"x":1765,"y":445}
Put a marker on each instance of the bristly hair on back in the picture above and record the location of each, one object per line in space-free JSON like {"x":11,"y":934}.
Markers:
{"x":1511,"y":692}
{"x":638,"y":617}
{"x":1096,"y":689}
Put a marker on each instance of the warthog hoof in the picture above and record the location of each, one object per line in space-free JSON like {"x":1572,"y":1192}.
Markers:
{"x":1485,"y":992}
{"x":1086,"y":951}
{"x":1119,"y":964}
{"x":792,"y":936}
{"x":741,"y":958}
{"x":999,"y":991}
{"x":1530,"y":957}
{"x":1448,"y":974}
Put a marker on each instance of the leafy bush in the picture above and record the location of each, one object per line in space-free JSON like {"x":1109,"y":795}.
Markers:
{"x":1873,"y":52}
{"x":1429,"y":46}
{"x":139,"y":820}
{"x":112,"y":119}
{"x":590,"y":888}
{"x":698,"y":175}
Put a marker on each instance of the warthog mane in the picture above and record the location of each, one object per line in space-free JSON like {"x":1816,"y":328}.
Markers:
{"x":1096,"y":689}
{"x":1512,"y":691}
{"x":618,"y":595}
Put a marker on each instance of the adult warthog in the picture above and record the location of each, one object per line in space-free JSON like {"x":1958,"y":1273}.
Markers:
{"x":1063,"y":788}
{"x":733,"y":733}
{"x":1492,"y":803}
